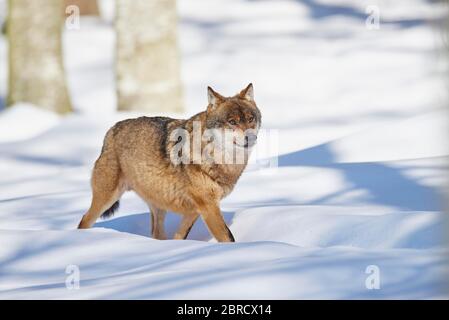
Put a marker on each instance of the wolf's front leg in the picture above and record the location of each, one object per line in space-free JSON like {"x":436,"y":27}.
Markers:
{"x":216,"y":224}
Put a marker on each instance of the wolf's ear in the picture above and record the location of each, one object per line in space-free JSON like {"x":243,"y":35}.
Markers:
{"x":213,"y":97}
{"x":247,"y":93}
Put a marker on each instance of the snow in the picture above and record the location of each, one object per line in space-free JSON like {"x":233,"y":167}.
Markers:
{"x":360,"y":119}
{"x":24,"y":121}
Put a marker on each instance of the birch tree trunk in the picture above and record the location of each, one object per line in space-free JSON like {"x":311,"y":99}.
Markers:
{"x":36,"y":72}
{"x":148,"y":67}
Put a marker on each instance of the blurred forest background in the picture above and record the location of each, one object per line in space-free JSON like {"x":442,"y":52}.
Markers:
{"x":136,"y":49}
{"x":147,"y":57}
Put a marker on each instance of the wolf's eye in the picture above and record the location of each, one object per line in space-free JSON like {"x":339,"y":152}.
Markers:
{"x":232,"y":122}
{"x":251,"y":119}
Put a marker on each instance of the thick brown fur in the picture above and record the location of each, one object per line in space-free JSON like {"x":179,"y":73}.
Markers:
{"x":136,"y":156}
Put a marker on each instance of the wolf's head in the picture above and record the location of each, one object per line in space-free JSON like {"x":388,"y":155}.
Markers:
{"x":238,"y":114}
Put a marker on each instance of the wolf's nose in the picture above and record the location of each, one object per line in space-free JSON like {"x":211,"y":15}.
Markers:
{"x":250,"y":139}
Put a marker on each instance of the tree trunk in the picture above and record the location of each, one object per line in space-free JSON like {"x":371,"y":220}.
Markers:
{"x":36,"y":72}
{"x":148,"y":68}
{"x":87,"y":7}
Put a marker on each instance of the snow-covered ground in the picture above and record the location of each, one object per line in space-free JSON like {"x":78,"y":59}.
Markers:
{"x":361,"y":120}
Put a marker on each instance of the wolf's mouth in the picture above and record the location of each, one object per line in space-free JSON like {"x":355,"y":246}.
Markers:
{"x":246,"y":145}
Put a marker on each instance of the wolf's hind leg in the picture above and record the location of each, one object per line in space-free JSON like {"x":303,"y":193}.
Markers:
{"x":157,"y":222}
{"x":185,"y":226}
{"x":106,"y":190}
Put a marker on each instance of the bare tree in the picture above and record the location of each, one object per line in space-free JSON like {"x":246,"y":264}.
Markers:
{"x":148,"y":67}
{"x":36,"y":72}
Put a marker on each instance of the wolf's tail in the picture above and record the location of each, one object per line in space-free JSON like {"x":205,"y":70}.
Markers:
{"x":110,"y":212}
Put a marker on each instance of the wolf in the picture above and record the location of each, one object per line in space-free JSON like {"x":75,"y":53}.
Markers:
{"x":137,"y":155}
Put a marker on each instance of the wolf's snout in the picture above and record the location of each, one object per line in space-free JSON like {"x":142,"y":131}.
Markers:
{"x":250,"y":140}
